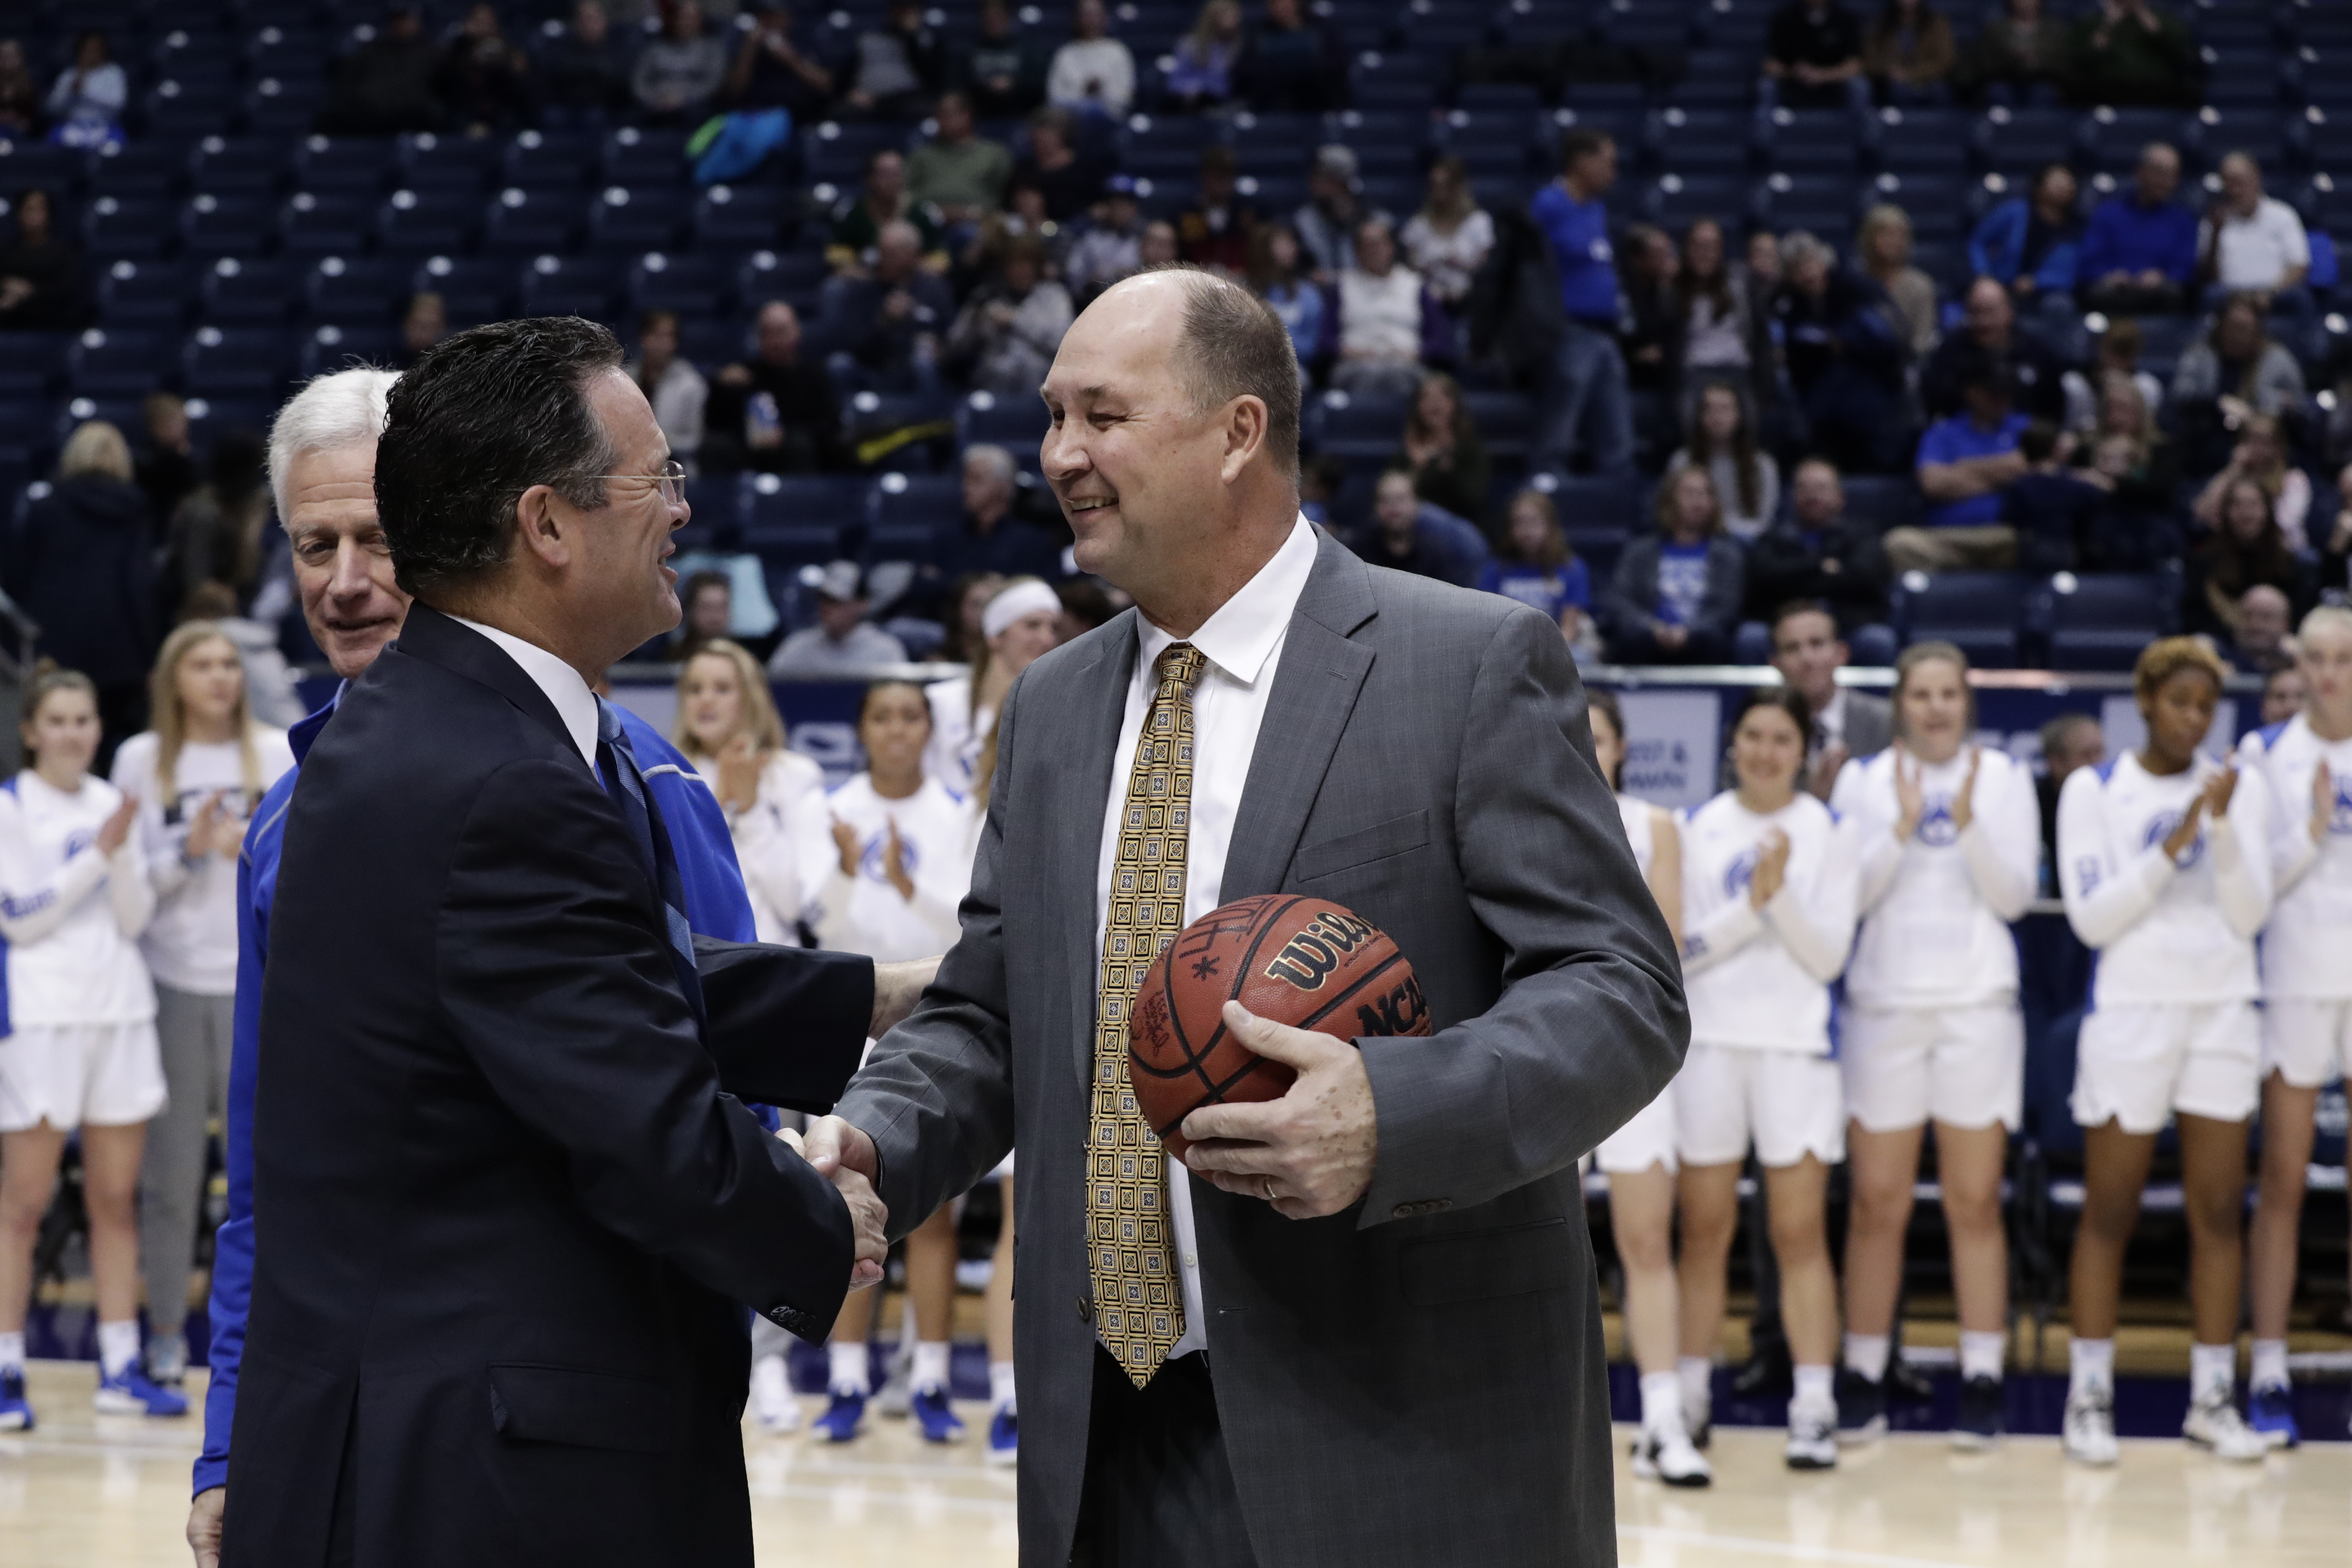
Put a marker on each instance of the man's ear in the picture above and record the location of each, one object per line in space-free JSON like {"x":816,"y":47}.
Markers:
{"x":1245,"y":435}
{"x":543,"y":524}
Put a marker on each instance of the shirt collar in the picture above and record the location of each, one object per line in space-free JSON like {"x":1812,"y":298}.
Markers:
{"x":1244,"y":631}
{"x":575,"y":704}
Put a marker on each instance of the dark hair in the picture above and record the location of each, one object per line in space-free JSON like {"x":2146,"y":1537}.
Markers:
{"x":1083,"y":600}
{"x":486,"y":414}
{"x":1747,"y":473}
{"x":1599,"y":700}
{"x":1581,"y":144}
{"x":1235,"y":346}
{"x":1787,"y":698}
{"x":876,"y":687}
{"x":656,"y":317}
{"x":1802,"y":607}
{"x":2037,"y":441}
{"x":688,"y":590}
{"x":1688,"y":285}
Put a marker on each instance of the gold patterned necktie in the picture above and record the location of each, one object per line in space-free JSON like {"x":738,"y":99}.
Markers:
{"x":1139,"y":1305}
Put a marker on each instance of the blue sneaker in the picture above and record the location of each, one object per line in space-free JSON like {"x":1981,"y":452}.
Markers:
{"x":16,"y":1410}
{"x":1861,"y":1407}
{"x":1004,"y":1436}
{"x":2271,"y":1411}
{"x":939,"y":1422}
{"x":842,"y":1417}
{"x":133,"y":1393}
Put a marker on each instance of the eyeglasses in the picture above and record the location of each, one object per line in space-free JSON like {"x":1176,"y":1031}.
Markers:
{"x":671,"y":480}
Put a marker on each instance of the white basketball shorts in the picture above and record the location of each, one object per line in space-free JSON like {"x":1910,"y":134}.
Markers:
{"x":2139,"y":1063}
{"x":1787,"y":1103}
{"x":1646,"y":1142}
{"x":1965,"y":1067}
{"x":79,"y":1075}
{"x":2308,"y":1042}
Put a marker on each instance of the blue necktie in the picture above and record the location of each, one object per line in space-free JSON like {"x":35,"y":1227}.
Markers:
{"x":616,"y":760}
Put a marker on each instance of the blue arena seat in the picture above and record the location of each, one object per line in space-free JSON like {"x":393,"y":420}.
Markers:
{"x":523,"y":221}
{"x":283,"y":106}
{"x":213,"y":225}
{"x":1982,"y":612}
{"x":633,"y":155}
{"x":689,"y":285}
{"x":333,"y":223}
{"x":2102,"y":620}
{"x":1699,"y":141}
{"x":1016,"y":424}
{"x":332,"y":346}
{"x":412,"y":223}
{"x":106,"y":362}
{"x":903,"y":502}
{"x":238,"y":165}
{"x":236,"y":362}
{"x":459,"y":166}
{"x":132,"y":169}
{"x":144,"y":296}
{"x":475,"y":289}
{"x":1359,"y":428}
{"x":239,"y":291}
{"x":356,"y":163}
{"x":637,"y":218}
{"x":1814,"y":141}
{"x":354,"y":290}
{"x":738,"y":217}
{"x":2017,"y":141}
{"x":31,"y":166}
{"x":566,"y":286}
{"x":1924,"y":140}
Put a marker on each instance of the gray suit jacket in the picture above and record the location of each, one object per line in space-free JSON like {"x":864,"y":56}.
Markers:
{"x":1418,"y":1381}
{"x":1869,"y":724}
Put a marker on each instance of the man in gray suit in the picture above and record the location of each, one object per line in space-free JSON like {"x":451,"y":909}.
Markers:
{"x":1362,"y":1328}
{"x":1808,"y":652}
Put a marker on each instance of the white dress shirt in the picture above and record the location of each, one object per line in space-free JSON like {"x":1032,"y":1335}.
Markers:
{"x":1243,"y":645}
{"x":575,"y":704}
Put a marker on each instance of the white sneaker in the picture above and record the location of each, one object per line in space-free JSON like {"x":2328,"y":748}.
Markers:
{"x":896,"y":1394}
{"x":2214,"y":1424}
{"x":1813,"y":1436}
{"x":774,"y":1404}
{"x":1668,"y":1456}
{"x":2091,"y":1428}
{"x":1699,"y":1420}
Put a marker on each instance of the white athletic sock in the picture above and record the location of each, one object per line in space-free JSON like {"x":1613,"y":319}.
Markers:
{"x":2270,"y":1365}
{"x":1696,"y":1375}
{"x":2213,"y":1370}
{"x":117,"y":1347}
{"x":1865,"y":1355}
{"x":1001,"y":1395}
{"x":1816,"y":1387}
{"x":2090,"y":1364}
{"x":930,"y":1365}
{"x":12,"y":1353}
{"x":1981,"y":1355}
{"x":1662,"y":1402}
{"x":852,"y":1371}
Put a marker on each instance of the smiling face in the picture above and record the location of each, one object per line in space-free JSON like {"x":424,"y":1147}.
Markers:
{"x":210,"y":680}
{"x":894,"y":727}
{"x":1767,"y":748}
{"x":342,"y":567}
{"x":621,"y":581}
{"x":1807,"y":653}
{"x":1434,"y":404}
{"x":710,"y":698}
{"x":1025,"y":641}
{"x":64,"y":730}
{"x":1934,"y":701}
{"x":2245,"y":511}
{"x":1693,"y":505}
{"x":1530,"y":530}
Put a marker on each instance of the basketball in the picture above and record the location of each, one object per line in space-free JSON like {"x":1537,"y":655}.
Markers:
{"x":1305,"y":961}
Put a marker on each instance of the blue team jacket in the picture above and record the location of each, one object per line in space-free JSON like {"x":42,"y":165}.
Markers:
{"x":716,"y":906}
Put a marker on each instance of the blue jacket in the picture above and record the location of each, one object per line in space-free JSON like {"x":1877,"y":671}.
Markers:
{"x":1997,"y":249}
{"x":2126,"y":236}
{"x":716,"y":906}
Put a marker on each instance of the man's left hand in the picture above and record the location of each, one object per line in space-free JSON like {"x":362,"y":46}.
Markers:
{"x":897,"y":988}
{"x":1310,"y":1152}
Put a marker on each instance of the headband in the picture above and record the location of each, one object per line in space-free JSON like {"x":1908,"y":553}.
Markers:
{"x":1020,"y":599}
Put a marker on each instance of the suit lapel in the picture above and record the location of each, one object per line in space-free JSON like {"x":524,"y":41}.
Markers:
{"x":1080,"y":795}
{"x":429,"y":635}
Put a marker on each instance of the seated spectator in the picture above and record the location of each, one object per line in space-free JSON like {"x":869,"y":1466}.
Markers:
{"x":1990,"y":332}
{"x":1442,"y":450}
{"x":964,"y":616}
{"x":1533,"y":565}
{"x":82,"y":565}
{"x":2031,"y":244}
{"x":1216,"y":231}
{"x":1812,"y":58}
{"x":21,"y":113}
{"x":1158,"y":246}
{"x":776,"y":414}
{"x":1408,"y":534}
{"x":2117,"y":353}
{"x":218,"y":533}
{"x":2020,"y":55}
{"x":2054,"y":507}
{"x":1908,"y":52}
{"x":1053,"y":168}
{"x":1274,"y":277}
{"x":2128,"y":53}
{"x":1818,"y":555}
{"x":2265,"y":636}
{"x":901,"y":65}
{"x":1201,"y":67}
{"x":1587,"y":408}
{"x":1449,"y":237}
{"x":2261,"y":456}
{"x":2335,"y":555}
{"x":1651,"y":329}
{"x":960,"y":173}
{"x":40,"y":272}
{"x":1380,"y":320}
{"x":1292,"y":63}
{"x":1720,"y":332}
{"x":2235,"y":371}
{"x":2244,"y":554}
{"x":384,"y":86}
{"x":2284,"y":695}
{"x":1722,"y":441}
{"x":882,"y":199}
{"x":842,"y":642}
{"x":887,"y":324}
{"x":167,"y":471}
{"x":1327,"y":222}
{"x":1807,"y":654}
{"x":1881,"y":250}
{"x":770,"y":71}
{"x":672,"y":385}
{"x":1967,"y":464}
{"x":485,"y":81}
{"x":2253,"y":243}
{"x":1110,"y":247}
{"x":1846,"y":352}
{"x":681,"y":70}
{"x":1093,"y":74}
{"x":425,"y":323}
{"x":2139,"y":529}
{"x":1005,"y":338}
{"x":1674,"y":597}
{"x":1003,"y":71}
{"x":87,"y":101}
{"x":993,"y":537}
{"x":706,"y":604}
{"x":2140,"y":251}
{"x":584,"y":74}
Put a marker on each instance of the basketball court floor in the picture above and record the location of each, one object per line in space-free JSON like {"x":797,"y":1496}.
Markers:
{"x":86,"y":1492}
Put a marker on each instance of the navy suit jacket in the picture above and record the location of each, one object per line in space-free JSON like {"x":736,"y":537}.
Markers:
{"x":507,"y":1197}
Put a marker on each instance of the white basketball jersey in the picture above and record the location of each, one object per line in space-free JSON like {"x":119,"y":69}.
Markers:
{"x":1761,"y":979}
{"x":1638,"y":817}
{"x":935,"y":834}
{"x":2306,"y":949}
{"x":68,"y":959}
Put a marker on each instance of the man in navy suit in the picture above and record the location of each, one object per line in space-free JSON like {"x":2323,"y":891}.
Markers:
{"x":507,"y":1195}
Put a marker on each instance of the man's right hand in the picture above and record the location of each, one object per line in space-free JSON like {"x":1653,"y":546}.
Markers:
{"x":846,"y":1155}
{"x":205,"y":1525}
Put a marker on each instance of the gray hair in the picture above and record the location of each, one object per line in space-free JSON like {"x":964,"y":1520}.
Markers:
{"x":994,"y":458}
{"x":341,"y":408}
{"x":1799,"y":246}
{"x":1234,"y":346}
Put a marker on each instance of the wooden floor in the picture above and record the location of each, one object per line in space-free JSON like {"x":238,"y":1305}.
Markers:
{"x":89,"y":1492}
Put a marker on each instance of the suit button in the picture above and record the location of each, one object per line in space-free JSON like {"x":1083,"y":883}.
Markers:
{"x":1086,"y":1310}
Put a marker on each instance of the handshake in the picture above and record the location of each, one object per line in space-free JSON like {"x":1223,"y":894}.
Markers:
{"x":842,"y":1153}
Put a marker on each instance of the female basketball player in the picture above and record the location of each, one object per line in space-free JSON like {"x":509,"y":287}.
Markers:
{"x":727,"y":727}
{"x":1022,"y":620}
{"x":73,"y":897}
{"x":886,"y":882}
{"x":2305,"y":768}
{"x":2163,"y":860}
{"x":1639,"y":1157}
{"x":1768,"y":891}
{"x":1950,"y":844}
{"x":197,"y":775}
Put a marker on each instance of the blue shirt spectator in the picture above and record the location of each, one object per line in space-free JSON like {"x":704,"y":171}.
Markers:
{"x":1551,"y":589}
{"x":1274,"y":262}
{"x":2031,"y":244}
{"x":1957,"y":440}
{"x":1408,"y":534}
{"x":2145,"y":240}
{"x":1578,"y":231}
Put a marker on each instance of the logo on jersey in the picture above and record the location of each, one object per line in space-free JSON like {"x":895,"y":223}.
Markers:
{"x":2339,"y":820}
{"x":874,"y":861}
{"x":2088,"y":872}
{"x":1739,"y":873}
{"x":1936,"y":828}
{"x":80,"y":839}
{"x":2161,"y":827}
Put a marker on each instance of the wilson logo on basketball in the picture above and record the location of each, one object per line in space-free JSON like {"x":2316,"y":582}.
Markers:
{"x":1308,"y":959}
